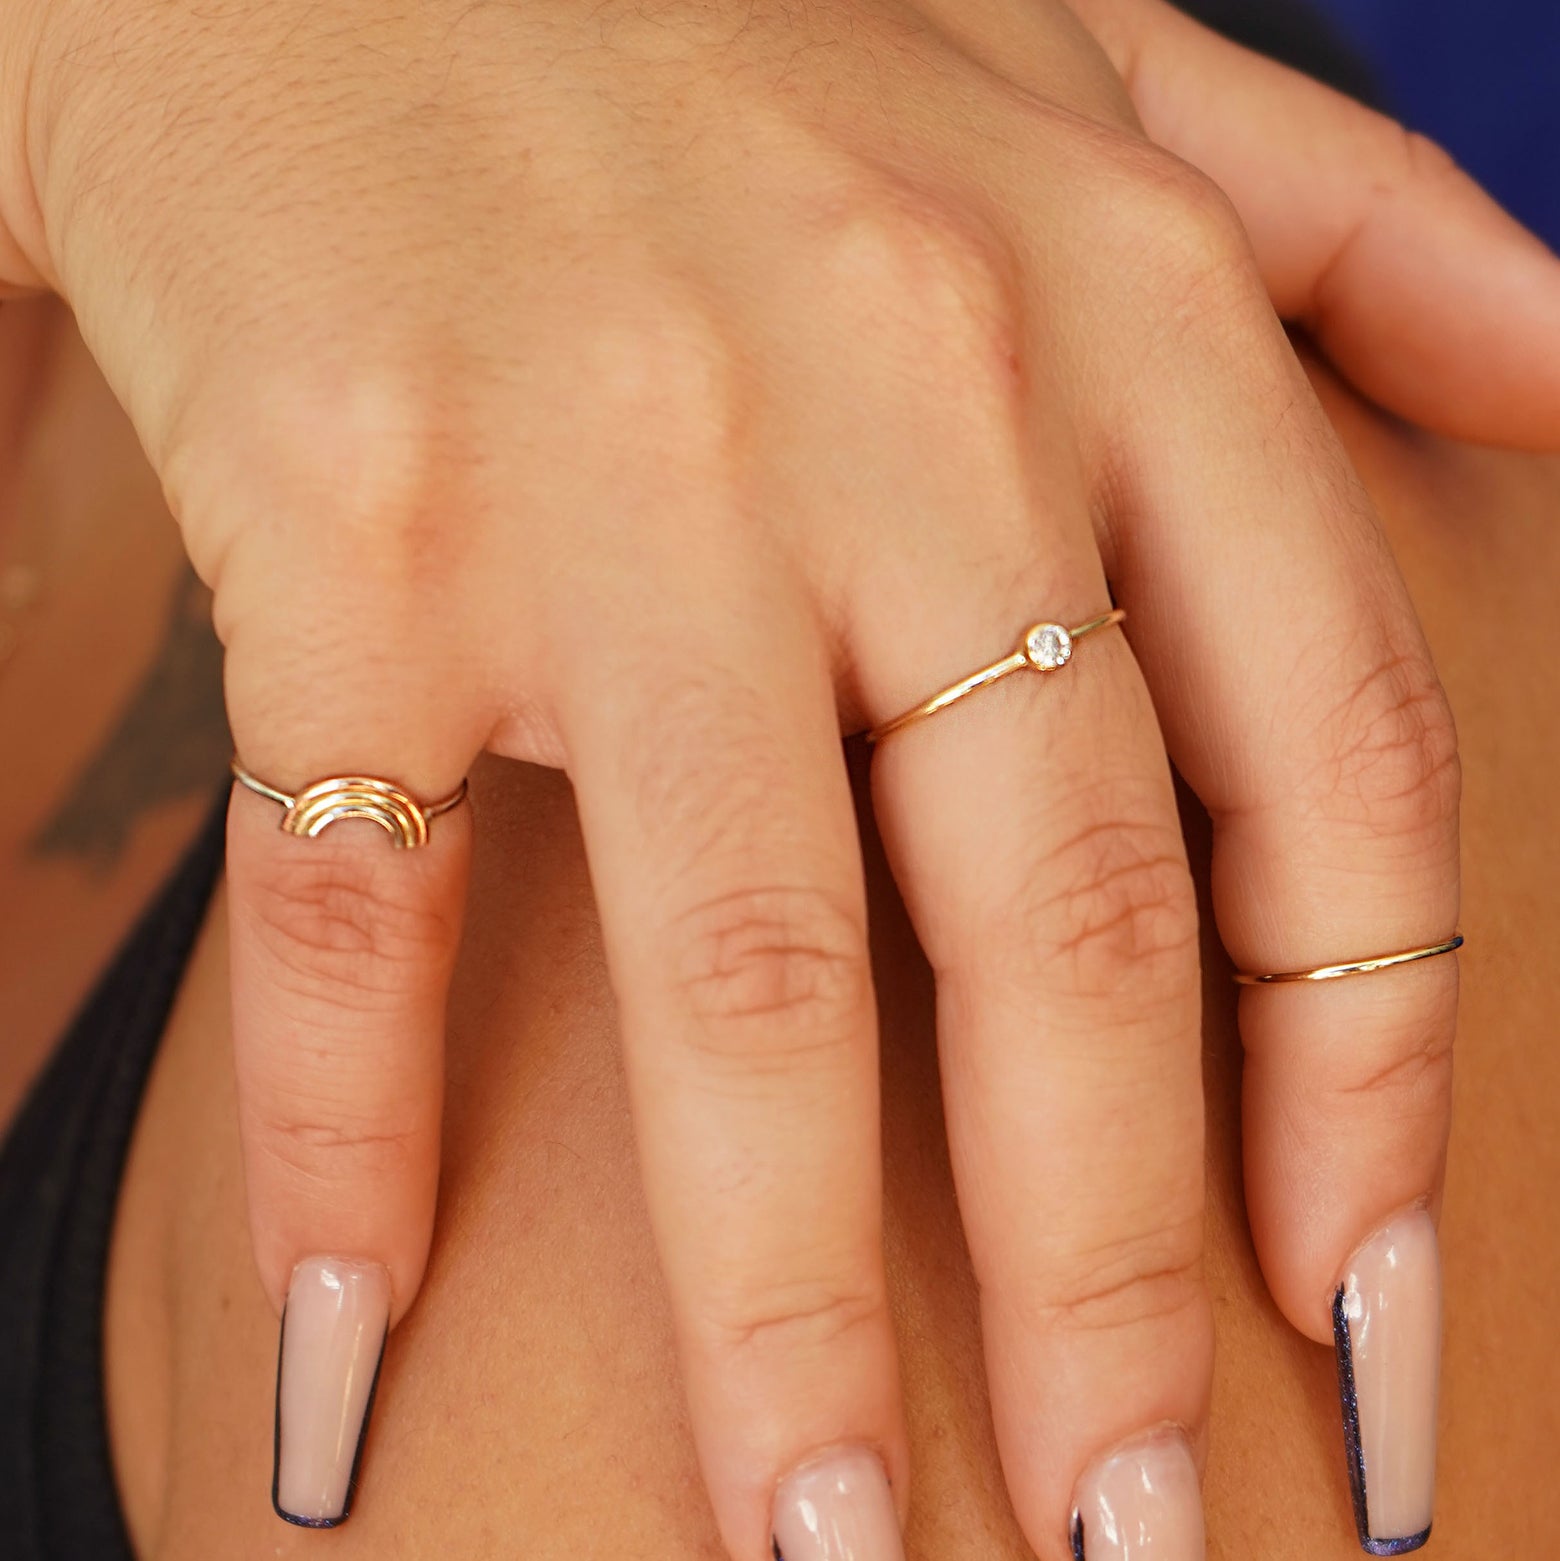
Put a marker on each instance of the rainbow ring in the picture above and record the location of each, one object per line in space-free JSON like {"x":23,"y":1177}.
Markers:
{"x":327,"y":802}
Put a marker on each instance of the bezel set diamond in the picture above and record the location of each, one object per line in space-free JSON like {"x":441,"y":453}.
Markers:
{"x":1048,"y":647}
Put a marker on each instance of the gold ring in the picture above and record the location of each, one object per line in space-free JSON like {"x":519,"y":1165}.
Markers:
{"x":1044,"y":647}
{"x":327,"y":802}
{"x":1358,"y":967}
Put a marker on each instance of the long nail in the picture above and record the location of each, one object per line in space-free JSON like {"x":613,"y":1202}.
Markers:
{"x":1140,"y":1503}
{"x":837,"y":1508}
{"x":1387,"y":1326}
{"x":333,"y":1338}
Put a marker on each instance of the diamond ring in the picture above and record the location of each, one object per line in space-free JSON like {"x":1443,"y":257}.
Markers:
{"x":1044,"y":647}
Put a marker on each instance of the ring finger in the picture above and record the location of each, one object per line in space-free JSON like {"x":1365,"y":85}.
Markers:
{"x":1035,"y":834}
{"x":1033,"y":831}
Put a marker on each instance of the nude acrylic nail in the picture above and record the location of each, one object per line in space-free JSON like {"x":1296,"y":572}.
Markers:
{"x":333,"y":1338}
{"x":1387,"y":1328}
{"x":837,"y":1507}
{"x":1140,"y":1503}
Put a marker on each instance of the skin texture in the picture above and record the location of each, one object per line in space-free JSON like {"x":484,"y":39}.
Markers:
{"x":531,"y":1404}
{"x":491,"y":359}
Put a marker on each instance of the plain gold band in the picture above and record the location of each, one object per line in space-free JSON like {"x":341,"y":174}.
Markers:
{"x":1017,"y":661}
{"x":327,"y":802}
{"x":1358,"y":967}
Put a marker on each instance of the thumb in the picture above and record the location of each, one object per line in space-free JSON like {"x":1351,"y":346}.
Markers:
{"x":1420,"y":288}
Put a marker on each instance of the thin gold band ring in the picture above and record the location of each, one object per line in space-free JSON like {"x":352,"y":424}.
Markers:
{"x":327,"y":802}
{"x":1044,"y":647}
{"x":1358,"y":967}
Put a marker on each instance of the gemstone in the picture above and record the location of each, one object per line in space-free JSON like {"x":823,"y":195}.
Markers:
{"x":1048,"y":646}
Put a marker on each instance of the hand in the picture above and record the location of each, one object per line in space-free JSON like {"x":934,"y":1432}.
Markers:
{"x":649,"y":393}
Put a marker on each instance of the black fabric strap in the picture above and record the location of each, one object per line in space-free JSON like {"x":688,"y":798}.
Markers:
{"x":60,"y":1169}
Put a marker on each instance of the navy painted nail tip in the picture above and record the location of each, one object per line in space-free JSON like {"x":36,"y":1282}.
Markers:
{"x":292,"y":1517}
{"x":1077,"y":1537}
{"x":1349,"y":1400}
{"x":1351,"y":1441}
{"x":1394,"y":1547}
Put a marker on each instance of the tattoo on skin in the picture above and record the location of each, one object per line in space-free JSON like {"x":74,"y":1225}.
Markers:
{"x":171,"y":741}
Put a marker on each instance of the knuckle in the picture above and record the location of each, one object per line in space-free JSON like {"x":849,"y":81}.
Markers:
{"x":1182,"y":231}
{"x":355,"y":463}
{"x":338,"y":930}
{"x":807,"y":1317}
{"x":930,"y":271}
{"x":1413,"y":158}
{"x":1143,"y":1278}
{"x":1107,"y":907}
{"x":1395,"y":757}
{"x":792,"y":954}
{"x":656,"y":361}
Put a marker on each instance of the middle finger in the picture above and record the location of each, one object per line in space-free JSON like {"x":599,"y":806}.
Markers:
{"x":1033,"y":831}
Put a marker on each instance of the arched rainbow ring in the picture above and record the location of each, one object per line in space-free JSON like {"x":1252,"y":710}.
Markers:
{"x":381,"y":802}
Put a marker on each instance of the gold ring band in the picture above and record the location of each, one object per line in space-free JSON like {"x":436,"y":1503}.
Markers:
{"x":327,"y":802}
{"x":1358,"y":967}
{"x":1043,"y":647}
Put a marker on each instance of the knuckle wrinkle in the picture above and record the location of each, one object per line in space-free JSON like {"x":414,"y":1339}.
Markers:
{"x":804,"y":1320}
{"x":1143,"y":1279}
{"x":777,"y":953}
{"x":335,"y":930}
{"x":1109,"y":906}
{"x":321,"y":1149}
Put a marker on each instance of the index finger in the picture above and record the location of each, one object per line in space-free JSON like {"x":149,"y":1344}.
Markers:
{"x":1429,"y":296}
{"x":1299,"y":701}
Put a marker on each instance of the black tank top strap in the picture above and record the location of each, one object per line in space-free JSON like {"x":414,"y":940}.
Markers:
{"x":60,"y":1169}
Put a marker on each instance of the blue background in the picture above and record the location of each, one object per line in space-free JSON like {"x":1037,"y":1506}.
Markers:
{"x":1480,"y":76}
